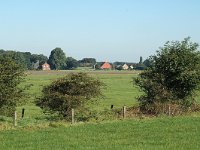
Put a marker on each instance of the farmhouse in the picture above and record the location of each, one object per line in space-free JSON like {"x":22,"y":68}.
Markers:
{"x":46,"y":66}
{"x":125,"y":67}
{"x":106,"y":66}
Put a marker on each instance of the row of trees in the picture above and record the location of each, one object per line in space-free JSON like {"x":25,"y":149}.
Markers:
{"x":25,"y":59}
{"x":58,"y":61}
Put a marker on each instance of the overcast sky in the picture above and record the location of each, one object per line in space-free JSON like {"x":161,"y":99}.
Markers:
{"x":112,"y":30}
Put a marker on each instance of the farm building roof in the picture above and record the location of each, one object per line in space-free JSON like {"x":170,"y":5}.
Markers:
{"x":106,"y":65}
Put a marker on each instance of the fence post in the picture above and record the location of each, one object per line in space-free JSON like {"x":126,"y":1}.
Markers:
{"x":169,"y":109}
{"x":72,"y":116}
{"x":124,"y":112}
{"x":15,"y":119}
{"x":23,"y":111}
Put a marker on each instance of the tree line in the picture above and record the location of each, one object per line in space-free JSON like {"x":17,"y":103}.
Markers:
{"x":59,"y":61}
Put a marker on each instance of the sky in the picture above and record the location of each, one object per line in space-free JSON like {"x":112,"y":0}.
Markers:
{"x":108,"y":30}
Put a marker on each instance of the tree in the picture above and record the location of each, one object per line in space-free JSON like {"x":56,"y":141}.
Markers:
{"x":18,"y":58}
{"x":98,"y":65}
{"x":71,"y":63}
{"x":148,"y":62}
{"x":173,"y":76}
{"x":27,"y":56}
{"x":72,"y":91}
{"x":141,"y":60}
{"x":57,"y":59}
{"x":87,"y":62}
{"x":11,"y":75}
{"x":37,"y":61}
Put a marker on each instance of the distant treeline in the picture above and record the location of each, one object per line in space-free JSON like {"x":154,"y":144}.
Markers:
{"x":26,"y":59}
{"x":58,"y":61}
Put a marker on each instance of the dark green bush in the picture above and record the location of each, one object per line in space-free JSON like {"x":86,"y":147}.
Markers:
{"x":71,"y":91}
{"x":11,"y":75}
{"x":172,"y":78}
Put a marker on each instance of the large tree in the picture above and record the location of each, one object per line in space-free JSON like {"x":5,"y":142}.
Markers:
{"x":57,"y":59}
{"x":11,"y":75}
{"x":71,"y":63}
{"x":173,"y":76}
{"x":27,"y":56}
{"x":87,"y":62}
{"x":18,"y":57}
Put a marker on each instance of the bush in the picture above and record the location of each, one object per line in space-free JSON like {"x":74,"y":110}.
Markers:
{"x":71,"y":91}
{"x":11,"y":75}
{"x":172,"y":78}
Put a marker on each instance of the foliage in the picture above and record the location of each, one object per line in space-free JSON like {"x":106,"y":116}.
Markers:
{"x":141,"y":60}
{"x":19,"y":58}
{"x":72,"y":91}
{"x":71,"y":63}
{"x":11,"y":75}
{"x":87,"y":62}
{"x":98,"y":65}
{"x":37,"y":61}
{"x":148,"y":62}
{"x":27,"y":56}
{"x":26,"y":59}
{"x":57,"y":59}
{"x":119,"y":67}
{"x":173,"y":77}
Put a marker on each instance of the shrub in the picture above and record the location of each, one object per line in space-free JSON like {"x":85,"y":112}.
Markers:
{"x":71,"y":91}
{"x":11,"y":75}
{"x":172,"y":78}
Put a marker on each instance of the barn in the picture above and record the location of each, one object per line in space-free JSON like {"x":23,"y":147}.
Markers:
{"x":106,"y":66}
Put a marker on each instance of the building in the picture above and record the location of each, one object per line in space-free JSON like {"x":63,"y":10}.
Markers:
{"x":46,"y":66}
{"x":106,"y":66}
{"x":125,"y":67}
{"x":131,"y":67}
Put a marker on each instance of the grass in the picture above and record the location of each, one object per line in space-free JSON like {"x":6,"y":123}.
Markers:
{"x":119,"y":92}
{"x":38,"y":131}
{"x":160,"y":133}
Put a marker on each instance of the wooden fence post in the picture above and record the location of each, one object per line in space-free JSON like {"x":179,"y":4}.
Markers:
{"x":72,"y":116}
{"x":169,"y":109}
{"x":23,"y":111}
{"x":15,"y":119}
{"x":124,"y":112}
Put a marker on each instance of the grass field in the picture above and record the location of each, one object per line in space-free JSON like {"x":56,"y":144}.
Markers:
{"x":36,"y":131}
{"x":119,"y":91}
{"x":119,"y":87}
{"x":160,"y":133}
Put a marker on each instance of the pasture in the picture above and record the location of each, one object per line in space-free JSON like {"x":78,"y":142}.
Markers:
{"x":180,"y":133}
{"x":38,"y":131}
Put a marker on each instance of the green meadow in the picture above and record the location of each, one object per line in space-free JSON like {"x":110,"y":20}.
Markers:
{"x":39,"y":131}
{"x":157,"y":133}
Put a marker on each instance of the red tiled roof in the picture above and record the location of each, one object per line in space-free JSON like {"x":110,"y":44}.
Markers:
{"x":106,"y":65}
